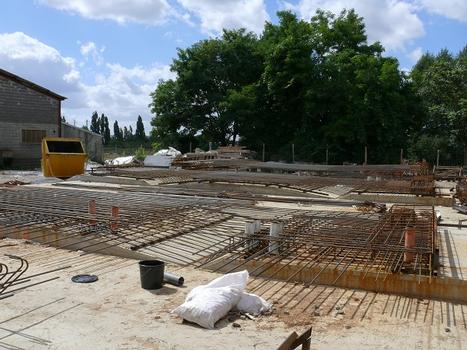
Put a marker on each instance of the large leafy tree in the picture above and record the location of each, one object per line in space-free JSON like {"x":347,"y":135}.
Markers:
{"x":315,"y":84}
{"x":441,"y":83}
{"x":197,"y":103}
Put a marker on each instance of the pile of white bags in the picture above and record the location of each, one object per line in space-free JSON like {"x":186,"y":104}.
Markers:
{"x":207,"y":304}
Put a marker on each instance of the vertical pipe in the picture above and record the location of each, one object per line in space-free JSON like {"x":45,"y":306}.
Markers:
{"x":190,"y":148}
{"x":250,"y":227}
{"x":92,"y":212}
{"x":402,"y":155}
{"x":210,"y":146}
{"x":257,"y":226}
{"x":26,"y":234}
{"x":327,"y":154}
{"x":263,"y":151}
{"x":293,"y":153}
{"x":366,"y":156}
{"x":274,"y":233}
{"x":409,"y":243}
{"x":114,"y":219}
{"x":437,"y":158}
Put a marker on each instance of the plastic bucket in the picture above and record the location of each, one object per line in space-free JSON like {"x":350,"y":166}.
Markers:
{"x":152,"y":274}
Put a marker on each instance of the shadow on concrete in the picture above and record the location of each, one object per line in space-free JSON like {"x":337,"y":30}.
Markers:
{"x":165,"y":290}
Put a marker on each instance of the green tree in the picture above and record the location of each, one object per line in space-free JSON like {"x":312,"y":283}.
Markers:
{"x":139,"y":132}
{"x":102,"y":124}
{"x":311,"y":83}
{"x":95,"y":123}
{"x":117,"y":132}
{"x":441,"y":83}
{"x":195,"y":105}
{"x":106,"y":133}
{"x":127,"y":134}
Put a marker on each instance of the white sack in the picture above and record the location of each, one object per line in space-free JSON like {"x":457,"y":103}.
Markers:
{"x":253,"y":304}
{"x":236,"y":279}
{"x":206,"y":304}
{"x":209,"y":305}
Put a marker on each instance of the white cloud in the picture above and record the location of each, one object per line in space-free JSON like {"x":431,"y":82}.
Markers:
{"x":392,"y":22}
{"x":90,"y":50}
{"x":216,"y":15}
{"x":150,"y":12}
{"x":415,"y":54}
{"x":455,"y":9}
{"x":120,"y":92}
{"x":123,"y":93}
{"x":32,"y":59}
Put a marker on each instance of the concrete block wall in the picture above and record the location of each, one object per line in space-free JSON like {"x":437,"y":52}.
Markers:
{"x":92,"y":142}
{"x":24,"y":154}
{"x":24,"y":108}
{"x":19,"y":103}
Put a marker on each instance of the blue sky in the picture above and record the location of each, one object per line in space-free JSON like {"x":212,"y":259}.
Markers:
{"x":108,"y":55}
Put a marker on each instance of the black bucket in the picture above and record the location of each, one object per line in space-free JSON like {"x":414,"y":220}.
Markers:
{"x":152,"y":274}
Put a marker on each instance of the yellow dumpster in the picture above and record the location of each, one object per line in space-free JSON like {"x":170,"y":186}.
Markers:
{"x":62,"y":157}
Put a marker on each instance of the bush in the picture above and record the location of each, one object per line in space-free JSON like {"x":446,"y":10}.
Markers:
{"x":140,"y":153}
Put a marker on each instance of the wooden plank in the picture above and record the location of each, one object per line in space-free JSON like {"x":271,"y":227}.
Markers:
{"x":304,"y":340}
{"x":286,"y":345}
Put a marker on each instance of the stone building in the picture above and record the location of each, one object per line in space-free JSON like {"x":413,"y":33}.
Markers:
{"x":28,"y":113}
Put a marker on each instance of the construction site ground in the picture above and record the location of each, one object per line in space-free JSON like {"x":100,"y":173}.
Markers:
{"x":116,"y":313}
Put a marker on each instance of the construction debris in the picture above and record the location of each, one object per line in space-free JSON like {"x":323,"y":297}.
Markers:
{"x":368,"y":206}
{"x":234,"y":152}
{"x":448,"y":173}
{"x":162,"y":158}
{"x":128,"y":160}
{"x":13,"y":183}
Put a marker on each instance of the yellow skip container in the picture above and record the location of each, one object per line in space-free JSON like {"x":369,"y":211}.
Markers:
{"x":62,"y":157}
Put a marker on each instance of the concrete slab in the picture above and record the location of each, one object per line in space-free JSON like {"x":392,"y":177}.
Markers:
{"x":115,"y":313}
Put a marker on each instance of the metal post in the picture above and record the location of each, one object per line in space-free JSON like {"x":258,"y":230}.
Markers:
{"x":410,"y":235}
{"x":402,"y":155}
{"x":210,"y":146}
{"x":293,"y":153}
{"x":437,"y":158}
{"x":190,"y":147}
{"x":263,"y":151}
{"x":327,"y":154}
{"x":114,"y":219}
{"x":366,"y":156}
{"x":92,"y":212}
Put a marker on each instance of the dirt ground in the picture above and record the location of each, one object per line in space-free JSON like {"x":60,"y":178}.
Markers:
{"x":116,"y":313}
